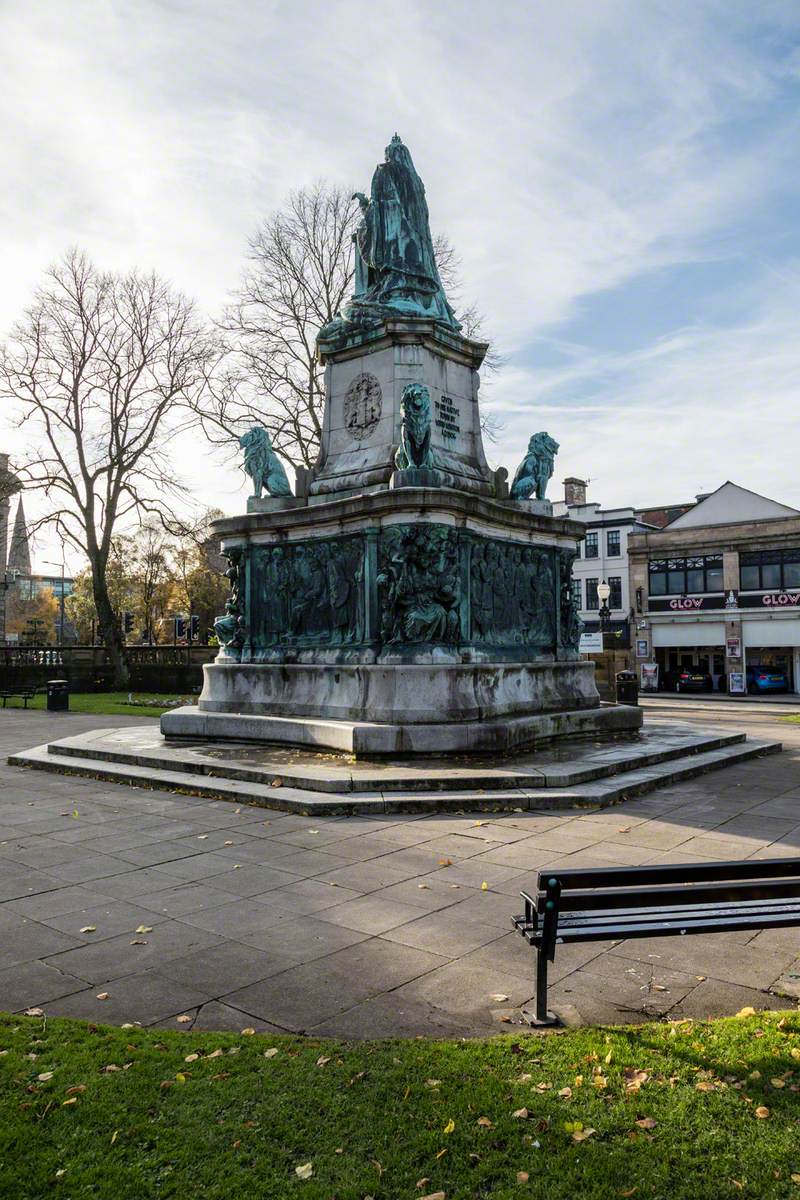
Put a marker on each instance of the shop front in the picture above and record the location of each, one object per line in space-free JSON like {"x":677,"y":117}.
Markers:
{"x":694,"y":646}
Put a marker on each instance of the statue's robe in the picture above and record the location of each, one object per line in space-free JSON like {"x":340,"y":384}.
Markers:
{"x":395,"y":245}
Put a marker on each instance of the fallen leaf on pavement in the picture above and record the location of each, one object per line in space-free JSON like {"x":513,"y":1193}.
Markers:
{"x":102,"y":995}
{"x":183,"y":1019}
{"x":88,"y":929}
{"x":498,"y":997}
{"x":143,"y":929}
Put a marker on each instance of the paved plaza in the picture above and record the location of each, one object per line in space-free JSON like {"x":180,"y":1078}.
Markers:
{"x":124,"y":904}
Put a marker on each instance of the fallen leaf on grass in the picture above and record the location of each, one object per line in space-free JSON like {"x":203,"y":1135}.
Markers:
{"x":521,"y":1114}
{"x":646,"y":1123}
{"x":45,"y":1075}
{"x":72,"y":1100}
{"x":114,"y":1136}
{"x":248,"y":1032}
{"x":705,"y":1085}
{"x":795,"y":1052}
{"x":434,"y":1196}
{"x":79,"y":1087}
{"x":522,"y":1176}
{"x":322,"y":1060}
{"x":762,"y":1112}
{"x":305,"y":1171}
{"x":191,"y":1058}
{"x":566,"y":1093}
{"x":747,"y":1011}
{"x":215,"y":1054}
{"x":633,"y":1078}
{"x":450,"y":1126}
{"x":485,"y":1123}
{"x":271,"y":1052}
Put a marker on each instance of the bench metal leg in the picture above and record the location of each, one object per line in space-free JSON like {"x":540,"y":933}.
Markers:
{"x":542,"y":1015}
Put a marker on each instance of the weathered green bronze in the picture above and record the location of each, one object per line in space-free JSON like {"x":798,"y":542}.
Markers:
{"x":535,"y":470}
{"x":404,"y":588}
{"x":395,"y":269}
{"x":262,"y":464}
{"x":415,"y":448}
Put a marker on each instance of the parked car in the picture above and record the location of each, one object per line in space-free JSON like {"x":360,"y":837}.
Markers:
{"x":688,"y":679}
{"x":766,"y":679}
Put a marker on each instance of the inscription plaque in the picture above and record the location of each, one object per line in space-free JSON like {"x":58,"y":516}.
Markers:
{"x":446,"y":417}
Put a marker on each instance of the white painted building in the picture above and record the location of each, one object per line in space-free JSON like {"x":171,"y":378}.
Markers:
{"x":602,"y":557}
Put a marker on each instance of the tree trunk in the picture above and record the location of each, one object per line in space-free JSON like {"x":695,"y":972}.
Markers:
{"x":110,"y":631}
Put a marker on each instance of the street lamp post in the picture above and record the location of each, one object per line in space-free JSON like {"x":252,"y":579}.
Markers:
{"x":603,"y":592}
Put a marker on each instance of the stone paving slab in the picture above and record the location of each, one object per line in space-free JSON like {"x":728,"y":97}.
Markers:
{"x":359,"y":926}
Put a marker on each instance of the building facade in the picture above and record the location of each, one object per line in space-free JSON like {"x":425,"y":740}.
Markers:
{"x":718,"y":589}
{"x":602,"y":557}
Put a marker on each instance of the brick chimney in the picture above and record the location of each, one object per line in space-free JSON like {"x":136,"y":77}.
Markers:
{"x":575,"y":491}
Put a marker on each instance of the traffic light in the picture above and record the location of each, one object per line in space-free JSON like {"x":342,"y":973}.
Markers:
{"x":128,"y":622}
{"x":180,"y":628}
{"x":194,"y":628}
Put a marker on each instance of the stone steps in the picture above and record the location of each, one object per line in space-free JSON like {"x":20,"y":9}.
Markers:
{"x":614,"y":786}
{"x":578,"y":762}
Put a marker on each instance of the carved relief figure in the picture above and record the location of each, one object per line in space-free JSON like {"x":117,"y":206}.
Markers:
{"x":262,"y":464}
{"x":230,"y":628}
{"x":419,"y":585}
{"x":415,"y":429}
{"x":534,"y":472}
{"x":571,"y":623}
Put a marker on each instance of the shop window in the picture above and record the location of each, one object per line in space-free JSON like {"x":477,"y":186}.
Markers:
{"x":615,"y":595}
{"x":769,"y":570}
{"x":592,"y":602}
{"x":590,"y":546}
{"x":612,"y":543}
{"x":679,"y":576}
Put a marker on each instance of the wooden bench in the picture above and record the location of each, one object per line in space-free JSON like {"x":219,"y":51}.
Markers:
{"x":611,"y":903}
{"x":25,"y":694}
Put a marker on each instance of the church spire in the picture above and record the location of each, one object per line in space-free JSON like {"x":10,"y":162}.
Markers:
{"x":19,"y":554}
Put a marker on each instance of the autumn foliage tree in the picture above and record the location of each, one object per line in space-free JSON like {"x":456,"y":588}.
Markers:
{"x":101,"y":368}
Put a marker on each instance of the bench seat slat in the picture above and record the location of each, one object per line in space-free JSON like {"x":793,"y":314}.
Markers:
{"x":649,"y":925}
{"x":676,"y":912}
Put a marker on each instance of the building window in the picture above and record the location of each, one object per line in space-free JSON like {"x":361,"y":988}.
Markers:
{"x":592,"y":603}
{"x":769,"y":570}
{"x":612,"y":543}
{"x":590,"y":546}
{"x":615,"y":595}
{"x":577,"y":592}
{"x":679,"y":576}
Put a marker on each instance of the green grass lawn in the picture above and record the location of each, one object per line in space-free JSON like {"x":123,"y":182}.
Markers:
{"x":669,"y":1111}
{"x":111,"y":703}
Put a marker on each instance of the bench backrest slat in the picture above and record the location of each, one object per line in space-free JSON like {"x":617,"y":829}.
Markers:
{"x":655,"y":898}
{"x":620,"y":877}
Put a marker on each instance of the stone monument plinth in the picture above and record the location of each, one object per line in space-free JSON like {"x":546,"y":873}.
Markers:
{"x":406,"y":602}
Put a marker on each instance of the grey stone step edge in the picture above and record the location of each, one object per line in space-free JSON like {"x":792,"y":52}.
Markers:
{"x":621,"y":787}
{"x":437,"y":780}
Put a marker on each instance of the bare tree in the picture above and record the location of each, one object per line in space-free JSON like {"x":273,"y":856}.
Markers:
{"x":101,"y":367}
{"x":299,"y":275}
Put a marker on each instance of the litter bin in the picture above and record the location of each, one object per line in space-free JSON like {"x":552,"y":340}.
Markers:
{"x":627,"y":687}
{"x":58,"y":695}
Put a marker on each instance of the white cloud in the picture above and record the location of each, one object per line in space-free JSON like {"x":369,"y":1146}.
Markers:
{"x":566,"y":149}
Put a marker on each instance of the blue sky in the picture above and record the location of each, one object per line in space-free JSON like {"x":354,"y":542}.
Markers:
{"x":620,"y":178}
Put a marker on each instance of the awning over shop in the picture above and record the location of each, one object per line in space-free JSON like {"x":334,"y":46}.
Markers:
{"x":690,"y":633}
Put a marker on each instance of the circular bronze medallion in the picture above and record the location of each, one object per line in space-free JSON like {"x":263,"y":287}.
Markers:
{"x":362,"y":406}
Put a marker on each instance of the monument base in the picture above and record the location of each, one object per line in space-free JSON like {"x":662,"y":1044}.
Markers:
{"x":500,"y":735}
